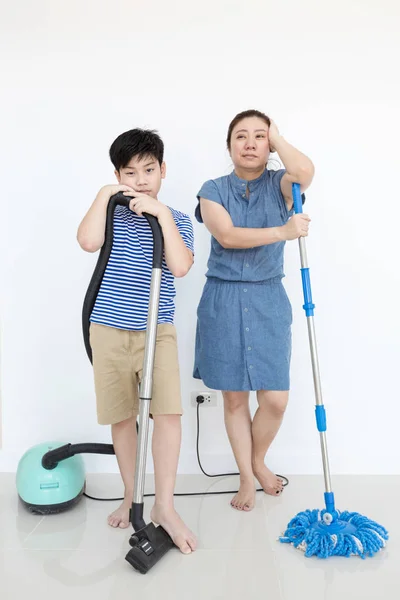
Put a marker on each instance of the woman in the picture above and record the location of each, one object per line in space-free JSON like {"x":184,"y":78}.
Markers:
{"x":243,"y":337}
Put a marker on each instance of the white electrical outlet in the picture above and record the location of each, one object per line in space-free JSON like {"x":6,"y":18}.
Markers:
{"x":210,"y":398}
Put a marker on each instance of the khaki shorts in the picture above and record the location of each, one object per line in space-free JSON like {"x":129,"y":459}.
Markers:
{"x":118,"y":364}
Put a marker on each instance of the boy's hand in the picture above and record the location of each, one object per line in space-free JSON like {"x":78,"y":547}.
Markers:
{"x":143,"y":203}
{"x":109,"y":190}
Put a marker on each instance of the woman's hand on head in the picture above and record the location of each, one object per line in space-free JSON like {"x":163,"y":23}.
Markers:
{"x":273,"y":134}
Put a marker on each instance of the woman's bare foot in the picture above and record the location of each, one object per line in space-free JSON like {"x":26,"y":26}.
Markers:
{"x":245,"y":498}
{"x":120,"y":517}
{"x":270,"y":483}
{"x":181,"y":535}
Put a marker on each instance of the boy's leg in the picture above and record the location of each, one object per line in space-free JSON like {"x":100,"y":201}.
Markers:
{"x":125,"y":441}
{"x":166,"y":446}
{"x":166,"y":410}
{"x":117,"y":404}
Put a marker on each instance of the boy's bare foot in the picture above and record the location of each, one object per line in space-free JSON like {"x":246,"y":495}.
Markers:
{"x":270,"y":483}
{"x":244,"y":499}
{"x":120,"y":517}
{"x":181,"y":535}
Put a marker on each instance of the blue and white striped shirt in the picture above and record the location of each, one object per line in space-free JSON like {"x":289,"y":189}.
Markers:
{"x":123,"y":298}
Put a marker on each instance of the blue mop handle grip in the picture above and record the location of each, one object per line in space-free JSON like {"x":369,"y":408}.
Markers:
{"x":305,"y":271}
{"x":297,"y":200}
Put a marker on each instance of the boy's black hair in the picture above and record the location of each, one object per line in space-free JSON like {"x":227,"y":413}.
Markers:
{"x":138,"y":143}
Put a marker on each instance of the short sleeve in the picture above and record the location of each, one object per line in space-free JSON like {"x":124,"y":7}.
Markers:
{"x":209,"y":190}
{"x":185,"y":228}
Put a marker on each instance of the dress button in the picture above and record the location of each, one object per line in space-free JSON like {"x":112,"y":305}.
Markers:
{"x":251,"y":366}
{"x":245,"y":290}
{"x":246,"y":310}
{"x":247,"y":265}
{"x":249,"y":348}
{"x":247,"y":329}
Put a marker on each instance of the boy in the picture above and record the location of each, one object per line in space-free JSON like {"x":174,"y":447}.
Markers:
{"x":119,"y":317}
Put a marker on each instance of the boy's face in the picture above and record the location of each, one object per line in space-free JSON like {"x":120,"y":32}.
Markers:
{"x":143,"y":175}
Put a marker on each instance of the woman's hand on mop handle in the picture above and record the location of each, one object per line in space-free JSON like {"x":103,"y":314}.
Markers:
{"x":296,"y":227}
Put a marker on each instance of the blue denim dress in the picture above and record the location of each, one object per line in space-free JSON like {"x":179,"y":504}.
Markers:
{"x":244,"y":318}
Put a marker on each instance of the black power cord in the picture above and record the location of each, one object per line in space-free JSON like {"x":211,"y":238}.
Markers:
{"x":200,"y":400}
{"x":284,"y":479}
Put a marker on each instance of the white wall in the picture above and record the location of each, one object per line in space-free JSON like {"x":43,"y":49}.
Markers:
{"x":77,"y":74}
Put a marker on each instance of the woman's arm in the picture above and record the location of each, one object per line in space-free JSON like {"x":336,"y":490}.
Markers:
{"x":219,"y":223}
{"x":299,"y":168}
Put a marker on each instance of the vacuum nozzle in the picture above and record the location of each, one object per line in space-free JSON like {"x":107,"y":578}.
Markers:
{"x":149,"y":545}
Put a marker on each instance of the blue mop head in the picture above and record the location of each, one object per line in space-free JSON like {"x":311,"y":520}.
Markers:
{"x":321,"y":534}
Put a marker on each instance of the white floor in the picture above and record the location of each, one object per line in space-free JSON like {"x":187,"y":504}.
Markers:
{"x":76,"y":555}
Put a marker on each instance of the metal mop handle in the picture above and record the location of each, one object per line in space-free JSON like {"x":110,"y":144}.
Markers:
{"x":309,"y":310}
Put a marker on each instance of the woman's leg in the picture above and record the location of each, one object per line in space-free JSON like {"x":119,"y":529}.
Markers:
{"x":266,"y":424}
{"x":238,"y":427}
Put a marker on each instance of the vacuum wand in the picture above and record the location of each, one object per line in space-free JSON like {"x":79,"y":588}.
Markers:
{"x":145,"y":398}
{"x":149,"y":543}
{"x":309,"y":310}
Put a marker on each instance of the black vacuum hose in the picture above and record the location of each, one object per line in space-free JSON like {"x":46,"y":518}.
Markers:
{"x":98,"y":274}
{"x":51,"y":459}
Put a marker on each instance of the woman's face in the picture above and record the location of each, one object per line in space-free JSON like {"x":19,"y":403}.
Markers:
{"x":250,"y":144}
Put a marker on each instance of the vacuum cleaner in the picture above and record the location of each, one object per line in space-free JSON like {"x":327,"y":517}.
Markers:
{"x":51,"y":477}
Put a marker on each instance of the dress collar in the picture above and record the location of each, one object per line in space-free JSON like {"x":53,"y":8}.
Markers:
{"x":241,"y":184}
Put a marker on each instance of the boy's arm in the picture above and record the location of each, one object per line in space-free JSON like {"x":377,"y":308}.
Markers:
{"x":92,"y":228}
{"x":178,"y":257}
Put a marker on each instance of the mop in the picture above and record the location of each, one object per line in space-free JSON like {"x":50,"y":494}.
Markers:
{"x":327,"y":532}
